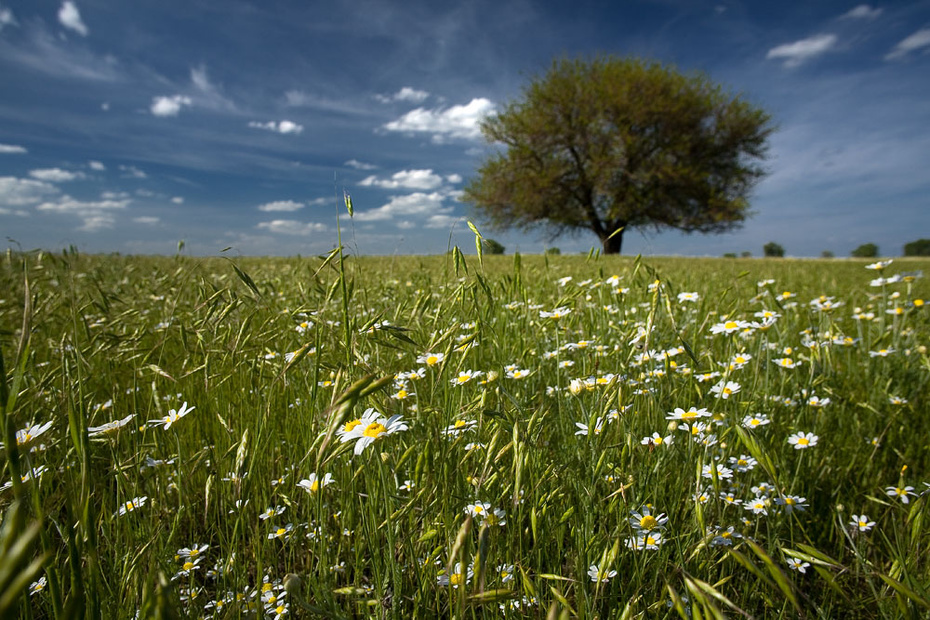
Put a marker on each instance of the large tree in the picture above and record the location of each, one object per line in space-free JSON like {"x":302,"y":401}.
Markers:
{"x":613,"y":144}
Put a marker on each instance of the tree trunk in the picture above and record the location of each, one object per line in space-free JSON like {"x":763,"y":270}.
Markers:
{"x":612,"y":242}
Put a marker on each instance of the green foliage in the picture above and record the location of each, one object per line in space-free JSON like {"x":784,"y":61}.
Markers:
{"x":866,"y":250}
{"x":553,"y":251}
{"x":772,"y":250}
{"x":729,"y":254}
{"x":614,"y":143}
{"x":921,"y":247}
{"x":826,"y":254}
{"x":492,"y":246}
{"x":745,"y":254}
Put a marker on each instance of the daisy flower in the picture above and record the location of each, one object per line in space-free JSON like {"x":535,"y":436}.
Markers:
{"x":314,"y":483}
{"x":878,"y":266}
{"x":172,"y":417}
{"x":728,"y":327}
{"x":691,"y":414}
{"x":109,"y":428}
{"x":457,"y":578}
{"x":583,"y":428}
{"x":431,"y":359}
{"x":599,"y":575}
{"x":792,"y":503}
{"x":517,"y":373}
{"x":366,"y":434}
{"x":722,"y":472}
{"x":28,"y":434}
{"x":881,"y":353}
{"x":692,"y":297}
{"x":862,"y":522}
{"x":786,"y":362}
{"x":506,"y":572}
{"x":131,"y":505}
{"x":757,"y":505}
{"x":556,"y":314}
{"x":802,"y":440}
{"x":743,"y":463}
{"x":37,"y":586}
{"x":798,"y":565}
{"x":755,"y":421}
{"x":658,"y":440}
{"x":724,"y":537}
{"x":649,"y":541}
{"x":460,"y":426}
{"x":465,"y":376}
{"x":645,"y":521}
{"x":725,"y":389}
{"x":901,"y":494}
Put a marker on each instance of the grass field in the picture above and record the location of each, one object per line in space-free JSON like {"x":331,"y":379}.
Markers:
{"x":420,"y":437}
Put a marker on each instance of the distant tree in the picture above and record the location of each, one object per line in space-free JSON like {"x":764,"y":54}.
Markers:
{"x":921,"y":247}
{"x":866,"y":250}
{"x":729,"y":254}
{"x":772,"y":249}
{"x":826,"y":254}
{"x":493,"y":247}
{"x":553,"y":251}
{"x":613,"y":144}
{"x":745,"y":254}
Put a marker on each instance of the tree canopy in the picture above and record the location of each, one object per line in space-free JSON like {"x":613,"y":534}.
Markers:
{"x":613,"y":144}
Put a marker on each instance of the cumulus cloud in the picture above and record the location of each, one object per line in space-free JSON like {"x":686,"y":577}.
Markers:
{"x":916,"y":41}
{"x":178,"y":200}
{"x":147,"y":220}
{"x":169,"y":106}
{"x":863,"y":11}
{"x":458,"y":121}
{"x":281,"y":205}
{"x":404,"y":207}
{"x":17,"y":212}
{"x":801,"y":51}
{"x":70,"y":17}
{"x":55,"y":175}
{"x":406,"y":179}
{"x":96,"y":165}
{"x":358,"y":165}
{"x":132,"y":172}
{"x":291,"y":227}
{"x":15,"y":192}
{"x":95,"y":215}
{"x":12,"y":149}
{"x":404,"y":94}
{"x":283,"y":127}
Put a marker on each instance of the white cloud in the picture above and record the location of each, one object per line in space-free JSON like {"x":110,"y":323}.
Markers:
{"x":55,"y":175}
{"x":114,"y":195}
{"x":358,"y":165}
{"x":105,"y":106}
{"x":96,"y":165}
{"x":12,"y":149}
{"x":406,"y":179}
{"x":169,"y":106}
{"x":291,"y":227}
{"x":281,"y":205}
{"x":70,"y":17}
{"x":96,"y":215}
{"x":801,"y":51}
{"x":459,"y":121}
{"x":178,"y":200}
{"x":441,"y":221}
{"x":132,"y":172}
{"x":863,"y":11}
{"x":416,"y":204}
{"x":17,"y":212}
{"x":919,"y":39}
{"x":6,"y":18}
{"x":454,"y":178}
{"x":146,"y":219}
{"x":283,"y":127}
{"x":404,"y":94}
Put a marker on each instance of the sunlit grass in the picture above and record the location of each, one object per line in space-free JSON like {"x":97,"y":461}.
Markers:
{"x":608,"y":437}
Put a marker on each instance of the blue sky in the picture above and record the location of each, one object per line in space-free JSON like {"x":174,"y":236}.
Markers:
{"x":128,"y":126}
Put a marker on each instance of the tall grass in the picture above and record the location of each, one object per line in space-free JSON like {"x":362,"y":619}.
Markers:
{"x":489,"y":503}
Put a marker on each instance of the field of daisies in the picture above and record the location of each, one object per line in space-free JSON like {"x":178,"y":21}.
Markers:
{"x":423,"y":437}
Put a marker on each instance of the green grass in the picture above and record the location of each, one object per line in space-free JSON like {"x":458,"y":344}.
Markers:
{"x":110,"y":336}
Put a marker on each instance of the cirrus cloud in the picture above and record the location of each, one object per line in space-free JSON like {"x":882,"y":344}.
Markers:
{"x":919,"y":39}
{"x":12,"y":149}
{"x":404,"y":94}
{"x":799,"y":52}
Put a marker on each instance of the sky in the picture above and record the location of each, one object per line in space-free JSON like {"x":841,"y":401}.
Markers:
{"x":131,"y":126}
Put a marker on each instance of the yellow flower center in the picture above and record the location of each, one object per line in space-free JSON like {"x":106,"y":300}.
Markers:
{"x":432,"y":360}
{"x":918,"y":303}
{"x":725,"y":534}
{"x":479,"y":510}
{"x":459,"y":423}
{"x":743,"y":462}
{"x":650,"y":540}
{"x":648,"y":522}
{"x":194,"y":553}
{"x":314,"y":486}
{"x":790,"y":501}
{"x":457,"y":579}
{"x":730,"y":325}
{"x":657,"y":440}
{"x":688,"y":415}
{"x":130,"y":506}
{"x":350,"y":425}
{"x":375,"y":429}
{"x":188,"y":565}
{"x":727,"y":391}
{"x":402,"y":394}
{"x":863,"y":523}
{"x":281,"y":532}
{"x":803,"y":441}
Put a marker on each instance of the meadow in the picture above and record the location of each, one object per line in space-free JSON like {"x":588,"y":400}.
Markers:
{"x":424,"y":437}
